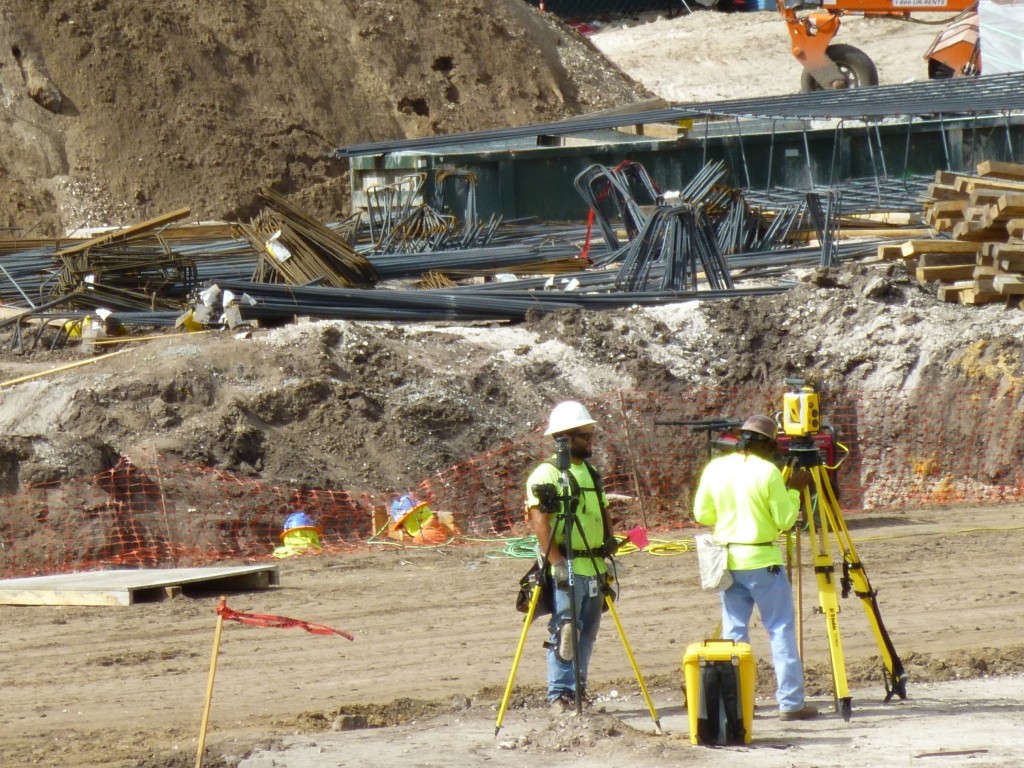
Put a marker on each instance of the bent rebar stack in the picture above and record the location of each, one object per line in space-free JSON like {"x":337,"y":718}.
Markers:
{"x":682,"y":242}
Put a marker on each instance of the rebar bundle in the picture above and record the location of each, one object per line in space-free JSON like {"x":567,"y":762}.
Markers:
{"x":296,"y":249}
{"x":682,"y":242}
{"x":608,"y":193}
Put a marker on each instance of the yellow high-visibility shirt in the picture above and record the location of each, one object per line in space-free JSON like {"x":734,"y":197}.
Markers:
{"x":588,"y":513}
{"x":745,"y":498}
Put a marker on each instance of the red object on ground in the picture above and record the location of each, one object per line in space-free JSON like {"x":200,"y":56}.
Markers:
{"x":277,"y":622}
{"x":583,"y":27}
{"x":638,"y":536}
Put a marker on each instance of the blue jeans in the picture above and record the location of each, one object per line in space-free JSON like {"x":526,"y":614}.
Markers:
{"x":588,"y":619}
{"x":773,"y":596}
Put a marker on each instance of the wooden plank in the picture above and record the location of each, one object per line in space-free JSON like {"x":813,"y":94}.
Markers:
{"x":1009,"y":207}
{"x":955,"y":208}
{"x":947,"y":259}
{"x":969,"y":231}
{"x":979,"y":295}
{"x":890,"y":252}
{"x":1010,"y":254}
{"x":916,"y":247}
{"x":985,"y":273}
{"x":1002,"y":169}
{"x":968,"y":184}
{"x":1009,"y":266}
{"x":1009,"y":285}
{"x":1015,"y":228}
{"x":7,"y":313}
{"x":943,"y":192}
{"x":945,"y":274}
{"x":130,"y":586}
{"x":126,"y":233}
{"x":889,"y":218}
{"x":951,"y":291}
{"x":986,"y":196}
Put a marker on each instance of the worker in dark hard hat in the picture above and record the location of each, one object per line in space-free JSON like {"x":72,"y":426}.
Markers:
{"x":744,"y":497}
{"x":589,"y":547}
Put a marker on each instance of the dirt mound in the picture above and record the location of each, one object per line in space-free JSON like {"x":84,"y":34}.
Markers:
{"x":117,"y":111}
{"x":378,"y":406}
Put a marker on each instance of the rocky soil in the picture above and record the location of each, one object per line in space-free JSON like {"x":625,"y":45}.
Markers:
{"x":112,"y":111}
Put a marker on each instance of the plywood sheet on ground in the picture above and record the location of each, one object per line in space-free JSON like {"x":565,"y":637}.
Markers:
{"x":126,"y":587}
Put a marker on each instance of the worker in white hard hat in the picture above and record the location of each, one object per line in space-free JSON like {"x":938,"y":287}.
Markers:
{"x":745,"y":498}
{"x":591,"y":540}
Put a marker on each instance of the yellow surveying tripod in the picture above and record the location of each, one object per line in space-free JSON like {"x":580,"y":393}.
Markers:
{"x":572,"y":524}
{"x":801,"y":420}
{"x":534,"y":599}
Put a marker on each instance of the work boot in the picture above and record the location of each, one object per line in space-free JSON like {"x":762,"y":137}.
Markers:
{"x":564,"y":702}
{"x":806,"y":712}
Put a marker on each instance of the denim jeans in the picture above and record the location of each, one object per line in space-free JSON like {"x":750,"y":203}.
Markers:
{"x":588,"y":619}
{"x":773,"y":596}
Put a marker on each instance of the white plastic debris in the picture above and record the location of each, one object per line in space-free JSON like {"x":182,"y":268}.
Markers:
{"x":209,"y":296}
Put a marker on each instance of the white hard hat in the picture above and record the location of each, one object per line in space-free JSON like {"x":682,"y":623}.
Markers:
{"x":566,"y":416}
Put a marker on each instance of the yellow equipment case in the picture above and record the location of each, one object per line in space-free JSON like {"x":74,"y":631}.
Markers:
{"x":720,"y":677}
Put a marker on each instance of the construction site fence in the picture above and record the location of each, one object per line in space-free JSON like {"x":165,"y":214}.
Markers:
{"x":958,"y":444}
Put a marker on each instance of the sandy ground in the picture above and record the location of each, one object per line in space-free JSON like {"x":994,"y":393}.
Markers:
{"x":707,"y":56}
{"x":435,"y":637}
{"x":963,"y":723}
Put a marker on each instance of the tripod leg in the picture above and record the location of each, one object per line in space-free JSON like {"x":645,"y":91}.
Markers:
{"x":793,"y":551}
{"x":824,"y":571}
{"x":794,"y":565}
{"x":854,"y":573}
{"x":632,"y":660}
{"x":800,"y":595}
{"x":534,"y":599}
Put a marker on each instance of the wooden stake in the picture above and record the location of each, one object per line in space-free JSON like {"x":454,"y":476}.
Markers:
{"x":29,"y":377}
{"x":209,"y":685}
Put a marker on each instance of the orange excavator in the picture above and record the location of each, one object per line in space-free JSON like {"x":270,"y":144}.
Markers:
{"x":954,"y":53}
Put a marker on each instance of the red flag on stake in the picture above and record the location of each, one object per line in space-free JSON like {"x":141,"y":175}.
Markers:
{"x":276,"y":622}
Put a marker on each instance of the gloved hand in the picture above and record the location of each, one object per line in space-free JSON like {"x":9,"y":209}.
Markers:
{"x":560,"y":574}
{"x":610,"y":547}
{"x":799,"y":480}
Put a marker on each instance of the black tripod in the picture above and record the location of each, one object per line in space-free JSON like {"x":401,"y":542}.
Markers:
{"x":570,"y":522}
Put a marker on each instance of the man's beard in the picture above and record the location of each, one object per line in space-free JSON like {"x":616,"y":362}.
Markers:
{"x":581,"y":452}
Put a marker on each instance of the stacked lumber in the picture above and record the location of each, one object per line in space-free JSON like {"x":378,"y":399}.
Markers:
{"x":977,"y":255}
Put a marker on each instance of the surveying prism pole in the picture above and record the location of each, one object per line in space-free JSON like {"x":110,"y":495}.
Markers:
{"x":801,"y":421}
{"x":563,"y":461}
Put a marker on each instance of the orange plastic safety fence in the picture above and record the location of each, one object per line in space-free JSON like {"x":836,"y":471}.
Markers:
{"x":910,"y":448}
